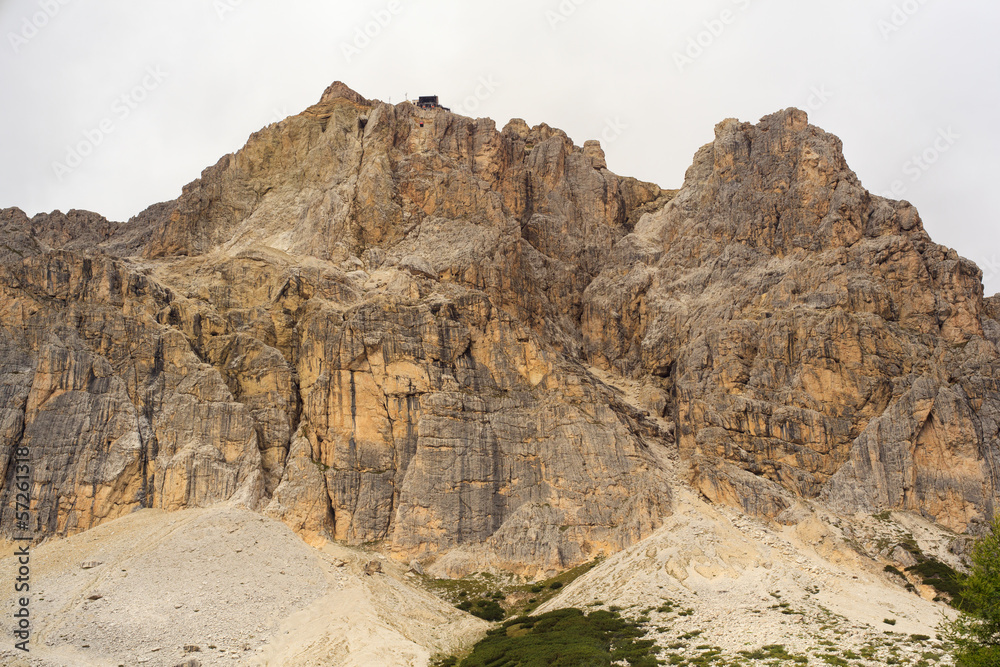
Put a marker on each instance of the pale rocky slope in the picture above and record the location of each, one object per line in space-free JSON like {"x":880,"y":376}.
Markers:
{"x":245,"y":590}
{"x":737,"y":584}
{"x":224,"y":586}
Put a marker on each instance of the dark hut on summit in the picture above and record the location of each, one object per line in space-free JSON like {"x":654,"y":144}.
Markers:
{"x":430,"y":102}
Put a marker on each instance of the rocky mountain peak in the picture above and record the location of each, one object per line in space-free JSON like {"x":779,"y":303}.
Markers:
{"x":340,"y":90}
{"x":482,"y":348}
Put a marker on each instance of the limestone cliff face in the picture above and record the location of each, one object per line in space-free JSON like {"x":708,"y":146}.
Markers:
{"x":807,"y":332}
{"x":365,"y":323}
{"x":385,"y":324}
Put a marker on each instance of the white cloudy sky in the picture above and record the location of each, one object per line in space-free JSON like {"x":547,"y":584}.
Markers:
{"x":892,"y":78}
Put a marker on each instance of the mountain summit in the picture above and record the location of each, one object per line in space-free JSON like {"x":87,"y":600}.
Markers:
{"x":480,"y":348}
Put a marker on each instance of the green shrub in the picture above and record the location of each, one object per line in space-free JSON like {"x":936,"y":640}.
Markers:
{"x":894,"y":570}
{"x":774,"y":652}
{"x":488,"y":610}
{"x":942,"y":577}
{"x":564,"y":638}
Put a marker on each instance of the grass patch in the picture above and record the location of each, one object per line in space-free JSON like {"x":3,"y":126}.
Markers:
{"x":513,"y":597}
{"x":774,"y":652}
{"x":564,"y":638}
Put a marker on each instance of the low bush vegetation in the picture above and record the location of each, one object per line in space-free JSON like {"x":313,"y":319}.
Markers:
{"x":564,"y":638}
{"x":894,"y":570}
{"x":942,"y":577}
{"x":774,"y":652}
{"x":488,"y":610}
{"x":510,"y":596}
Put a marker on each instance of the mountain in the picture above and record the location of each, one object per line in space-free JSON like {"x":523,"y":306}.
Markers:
{"x":481,"y":349}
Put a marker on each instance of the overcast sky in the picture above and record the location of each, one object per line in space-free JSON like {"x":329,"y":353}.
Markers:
{"x":113,"y":105}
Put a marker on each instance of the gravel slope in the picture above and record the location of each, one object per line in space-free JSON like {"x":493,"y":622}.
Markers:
{"x":223,"y":586}
{"x":736,"y":584}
